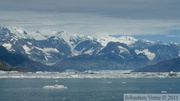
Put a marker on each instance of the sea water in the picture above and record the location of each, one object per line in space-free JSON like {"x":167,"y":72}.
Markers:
{"x":84,"y":89}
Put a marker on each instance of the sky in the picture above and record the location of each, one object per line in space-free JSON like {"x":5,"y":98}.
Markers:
{"x":95,"y":17}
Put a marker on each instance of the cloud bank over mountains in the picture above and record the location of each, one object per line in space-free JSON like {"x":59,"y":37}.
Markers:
{"x":94,"y":17}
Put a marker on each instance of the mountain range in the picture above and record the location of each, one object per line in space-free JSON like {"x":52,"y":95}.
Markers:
{"x":163,"y":66}
{"x":56,"y":51}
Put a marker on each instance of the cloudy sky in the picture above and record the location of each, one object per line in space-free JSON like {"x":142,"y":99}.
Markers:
{"x":117,"y":17}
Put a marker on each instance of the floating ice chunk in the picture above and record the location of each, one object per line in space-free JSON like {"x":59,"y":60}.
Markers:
{"x":56,"y":81}
{"x":55,"y":87}
{"x":163,"y":91}
{"x":109,"y":82}
{"x":123,"y":82}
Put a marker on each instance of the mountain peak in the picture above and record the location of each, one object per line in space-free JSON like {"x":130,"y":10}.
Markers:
{"x":128,"y":40}
{"x":18,"y":31}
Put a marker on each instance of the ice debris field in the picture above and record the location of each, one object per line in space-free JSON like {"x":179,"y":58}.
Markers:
{"x":89,"y":74}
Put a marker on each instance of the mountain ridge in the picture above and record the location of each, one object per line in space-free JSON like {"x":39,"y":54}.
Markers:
{"x":163,"y":66}
{"x":56,"y":48}
{"x":10,"y":61}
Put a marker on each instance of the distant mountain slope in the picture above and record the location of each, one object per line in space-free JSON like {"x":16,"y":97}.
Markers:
{"x":163,"y":66}
{"x":88,"y":62}
{"x":12,"y":59}
{"x":5,"y":66}
{"x":16,"y":61}
{"x":101,"y":62}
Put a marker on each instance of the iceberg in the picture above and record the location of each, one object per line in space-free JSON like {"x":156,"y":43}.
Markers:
{"x":55,"y":87}
{"x":163,"y":91}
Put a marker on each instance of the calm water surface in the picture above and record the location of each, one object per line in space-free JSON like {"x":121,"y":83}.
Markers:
{"x":83,"y":89}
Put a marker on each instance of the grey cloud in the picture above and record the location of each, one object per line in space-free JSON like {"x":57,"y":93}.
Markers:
{"x":133,"y":9}
{"x":93,"y":16}
{"x":87,"y":23}
{"x":174,"y":33}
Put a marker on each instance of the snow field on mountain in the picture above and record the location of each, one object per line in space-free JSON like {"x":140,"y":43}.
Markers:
{"x":146,"y":52}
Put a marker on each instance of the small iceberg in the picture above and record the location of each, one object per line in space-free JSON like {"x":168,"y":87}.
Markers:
{"x":123,"y":82}
{"x":56,"y":81}
{"x":109,"y":82}
{"x":163,"y":91}
{"x":55,"y":87}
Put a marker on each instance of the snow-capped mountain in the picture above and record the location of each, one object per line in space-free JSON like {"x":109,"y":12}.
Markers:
{"x":16,"y":62}
{"x":46,"y":46}
{"x":104,"y":40}
{"x":51,"y":47}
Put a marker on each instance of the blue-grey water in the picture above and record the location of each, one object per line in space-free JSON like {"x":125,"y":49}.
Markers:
{"x":83,"y":89}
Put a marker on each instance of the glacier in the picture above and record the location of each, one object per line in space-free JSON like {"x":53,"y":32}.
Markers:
{"x":88,"y":74}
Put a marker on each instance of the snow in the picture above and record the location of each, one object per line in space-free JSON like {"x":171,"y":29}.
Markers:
{"x":127,"y":40}
{"x":104,"y":40}
{"x":7,"y":46}
{"x":17,"y":31}
{"x":122,"y":49}
{"x":147,"y":41}
{"x":29,"y":43}
{"x":73,"y":40}
{"x":48,"y":50}
{"x":75,"y":52}
{"x":68,"y":39}
{"x":27,"y":49}
{"x":12,"y":30}
{"x":90,"y":51}
{"x":146,"y":52}
{"x":39,"y":35}
{"x":89,"y":37}
{"x":38,"y":48}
